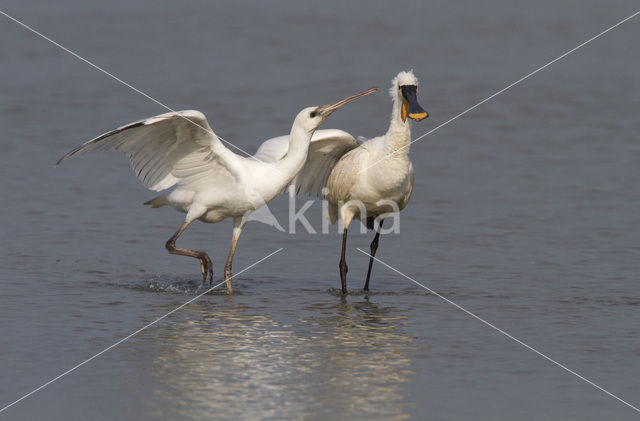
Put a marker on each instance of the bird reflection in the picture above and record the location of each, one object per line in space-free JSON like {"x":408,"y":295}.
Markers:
{"x":314,"y":359}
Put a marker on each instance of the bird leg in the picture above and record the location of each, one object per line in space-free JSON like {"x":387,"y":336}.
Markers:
{"x":343,"y":263}
{"x":238,"y":223}
{"x":206,"y":266}
{"x":374,"y":247}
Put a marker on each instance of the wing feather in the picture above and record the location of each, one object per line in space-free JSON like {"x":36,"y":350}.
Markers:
{"x":273,"y":150}
{"x":324,"y":152}
{"x":164,"y":150}
{"x":343,"y":178}
{"x":326,"y":148}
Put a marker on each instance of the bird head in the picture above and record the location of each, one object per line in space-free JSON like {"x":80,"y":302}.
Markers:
{"x":312,"y":117}
{"x":404,"y":91}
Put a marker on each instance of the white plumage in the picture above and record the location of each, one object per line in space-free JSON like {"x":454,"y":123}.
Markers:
{"x":156,"y":144}
{"x":372,"y":179}
{"x":180,"y":150}
{"x":326,"y":147}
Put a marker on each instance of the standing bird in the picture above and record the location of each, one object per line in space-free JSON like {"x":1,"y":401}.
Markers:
{"x":363,"y":181}
{"x":213,"y":183}
{"x":376,"y":173}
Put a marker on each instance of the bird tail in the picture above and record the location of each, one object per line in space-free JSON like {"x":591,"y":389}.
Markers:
{"x":157,"y":202}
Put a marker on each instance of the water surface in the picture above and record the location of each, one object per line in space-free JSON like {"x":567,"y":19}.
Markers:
{"x":525,"y":211}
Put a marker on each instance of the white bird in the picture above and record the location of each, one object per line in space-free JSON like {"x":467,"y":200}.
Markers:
{"x":213,"y":183}
{"x":363,"y":181}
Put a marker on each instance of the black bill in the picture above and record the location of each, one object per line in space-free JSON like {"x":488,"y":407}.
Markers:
{"x":411,"y":108}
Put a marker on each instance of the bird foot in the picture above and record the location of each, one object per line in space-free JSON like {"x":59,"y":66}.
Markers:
{"x":206,"y":266}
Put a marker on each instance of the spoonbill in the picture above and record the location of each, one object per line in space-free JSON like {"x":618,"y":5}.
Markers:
{"x":213,"y":183}
{"x":367,"y":180}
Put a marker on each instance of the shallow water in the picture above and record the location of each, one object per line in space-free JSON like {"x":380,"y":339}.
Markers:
{"x":525,"y":211}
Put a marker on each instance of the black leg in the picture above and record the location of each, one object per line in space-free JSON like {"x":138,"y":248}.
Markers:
{"x":205,"y":262}
{"x":374,"y":247}
{"x":343,"y":263}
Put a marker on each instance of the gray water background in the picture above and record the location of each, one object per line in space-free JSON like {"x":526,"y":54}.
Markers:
{"x":525,"y":211}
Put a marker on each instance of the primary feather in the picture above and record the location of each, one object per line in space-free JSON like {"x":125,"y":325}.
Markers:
{"x":163,"y":150}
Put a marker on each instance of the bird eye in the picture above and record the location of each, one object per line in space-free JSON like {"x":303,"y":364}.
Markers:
{"x":313,"y":114}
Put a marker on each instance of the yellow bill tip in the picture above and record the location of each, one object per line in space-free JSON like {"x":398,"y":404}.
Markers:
{"x":418,"y":116}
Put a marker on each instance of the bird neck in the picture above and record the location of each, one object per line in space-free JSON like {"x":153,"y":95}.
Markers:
{"x":398,"y":137}
{"x":293,"y":161}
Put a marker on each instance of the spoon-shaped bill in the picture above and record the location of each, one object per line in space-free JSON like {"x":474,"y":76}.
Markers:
{"x":326,"y":110}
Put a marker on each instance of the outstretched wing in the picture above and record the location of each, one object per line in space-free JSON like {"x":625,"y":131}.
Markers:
{"x":163,"y":150}
{"x":326,"y":148}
